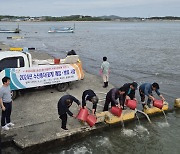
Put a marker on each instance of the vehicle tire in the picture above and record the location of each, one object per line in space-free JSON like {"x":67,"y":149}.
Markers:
{"x":14,"y":94}
{"x":62,"y":86}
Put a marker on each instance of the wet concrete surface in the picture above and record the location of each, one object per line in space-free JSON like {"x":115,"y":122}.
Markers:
{"x":36,"y":118}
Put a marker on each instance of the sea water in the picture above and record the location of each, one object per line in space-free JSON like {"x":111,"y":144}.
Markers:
{"x":137,"y":51}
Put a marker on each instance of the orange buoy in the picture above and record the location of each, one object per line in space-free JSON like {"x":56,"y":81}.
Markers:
{"x":91,"y":120}
{"x":82,"y":115}
{"x":56,"y":61}
{"x":132,"y":104}
{"x":116,"y":111}
{"x":158,"y":103}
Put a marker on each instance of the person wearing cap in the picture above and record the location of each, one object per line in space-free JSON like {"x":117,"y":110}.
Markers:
{"x":112,"y":97}
{"x":146,"y":89}
{"x":64,"y":104}
{"x":89,"y":95}
{"x":130,"y":89}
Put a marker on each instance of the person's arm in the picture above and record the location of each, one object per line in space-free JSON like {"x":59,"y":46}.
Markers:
{"x":84,"y":100}
{"x":133,"y":93}
{"x":146,"y":92}
{"x":75,"y":100}
{"x":102,"y":66}
{"x":113,"y":96}
{"x":127,"y":97}
{"x":2,"y":106}
{"x":94,"y":108}
{"x":69,"y":112}
{"x":161,"y":96}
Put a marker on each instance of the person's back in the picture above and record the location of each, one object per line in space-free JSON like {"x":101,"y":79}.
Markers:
{"x":72,"y":52}
{"x":105,"y":71}
{"x":105,"y":67}
{"x":145,"y":88}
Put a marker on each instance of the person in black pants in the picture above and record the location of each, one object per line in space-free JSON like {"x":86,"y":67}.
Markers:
{"x":63,"y":108}
{"x":130,"y":89}
{"x":6,"y":104}
{"x":90,"y":96}
{"x":112,"y":97}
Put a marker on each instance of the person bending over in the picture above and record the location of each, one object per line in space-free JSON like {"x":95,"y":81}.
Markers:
{"x":90,"y":96}
{"x":64,"y":104}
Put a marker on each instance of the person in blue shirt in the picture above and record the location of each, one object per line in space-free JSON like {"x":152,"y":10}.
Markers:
{"x":63,"y":108}
{"x":146,"y":89}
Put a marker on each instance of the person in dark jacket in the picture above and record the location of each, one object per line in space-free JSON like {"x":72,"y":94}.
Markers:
{"x":63,"y":108}
{"x":112,"y":97}
{"x":130,"y":89}
{"x":72,"y":52}
{"x":146,"y":89}
{"x":90,"y":96}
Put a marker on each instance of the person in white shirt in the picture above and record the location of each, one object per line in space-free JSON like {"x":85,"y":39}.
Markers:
{"x":105,"y":71}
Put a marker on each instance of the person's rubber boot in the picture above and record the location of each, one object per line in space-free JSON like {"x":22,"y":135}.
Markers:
{"x":104,"y":85}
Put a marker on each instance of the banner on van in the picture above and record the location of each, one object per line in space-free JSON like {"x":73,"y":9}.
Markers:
{"x":22,"y":78}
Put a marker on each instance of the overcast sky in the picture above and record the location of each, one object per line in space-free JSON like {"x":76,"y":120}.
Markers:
{"x":123,"y":8}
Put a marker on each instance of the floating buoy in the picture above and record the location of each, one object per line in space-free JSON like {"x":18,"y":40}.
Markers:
{"x":132,"y":104}
{"x":158,"y":103}
{"x":15,"y":37}
{"x":16,"y":49}
{"x":82,"y":115}
{"x":91,"y":120}
{"x":125,"y":116}
{"x":31,"y":48}
{"x":116,"y":111}
{"x":56,"y":61}
{"x":154,"y":110}
{"x":177,"y":102}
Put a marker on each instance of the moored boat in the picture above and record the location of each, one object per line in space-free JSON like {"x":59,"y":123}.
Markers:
{"x":61,"y":30}
{"x":17,"y":30}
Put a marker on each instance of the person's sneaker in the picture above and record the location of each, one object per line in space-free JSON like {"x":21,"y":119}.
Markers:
{"x":149,"y":105}
{"x":10,"y":124}
{"x":64,"y":128}
{"x":146,"y":107}
{"x":5,"y":127}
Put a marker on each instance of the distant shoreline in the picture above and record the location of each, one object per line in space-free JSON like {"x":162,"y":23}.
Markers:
{"x":85,"y":18}
{"x":94,"y":21}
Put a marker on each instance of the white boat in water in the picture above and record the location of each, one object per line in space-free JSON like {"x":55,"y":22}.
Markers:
{"x":9,"y":31}
{"x":61,"y":30}
{"x":17,"y":30}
